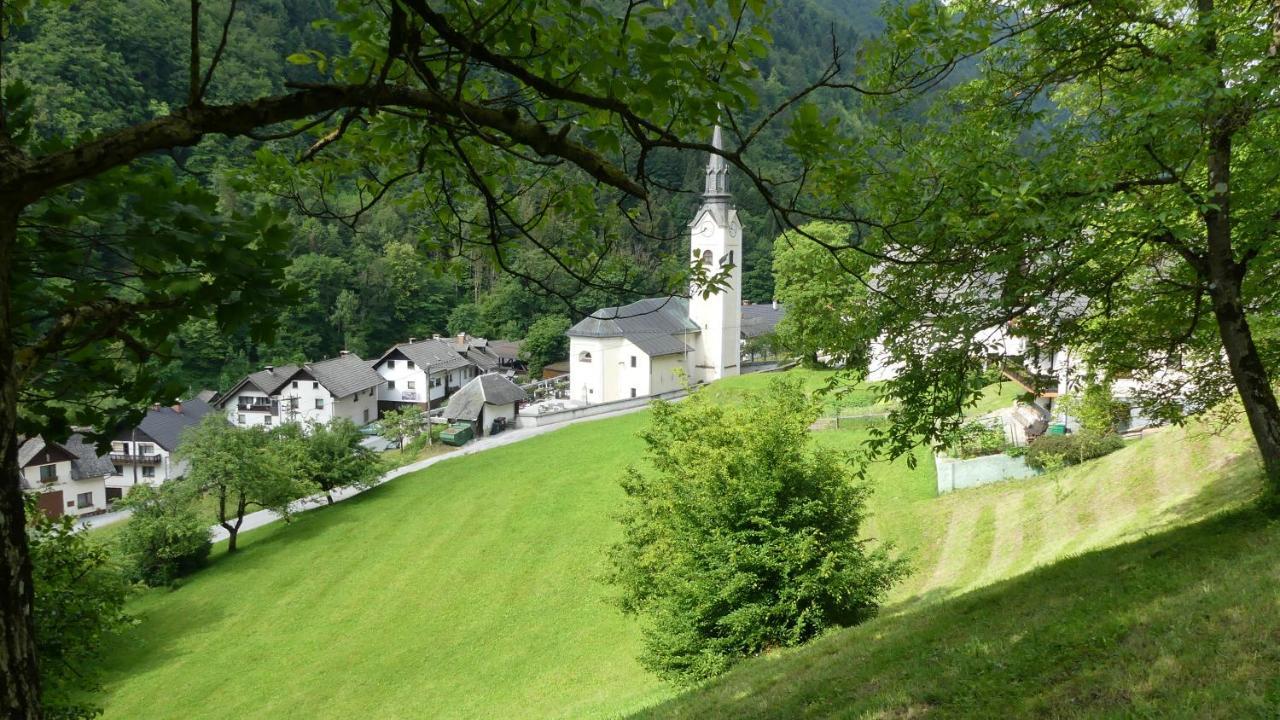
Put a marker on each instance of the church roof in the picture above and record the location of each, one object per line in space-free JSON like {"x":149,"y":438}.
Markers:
{"x":638,"y":321}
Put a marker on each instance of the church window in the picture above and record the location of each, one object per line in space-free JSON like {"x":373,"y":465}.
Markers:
{"x":706,"y":258}
{"x":633,"y":392}
{"x":633,"y":361}
{"x":584,"y":356}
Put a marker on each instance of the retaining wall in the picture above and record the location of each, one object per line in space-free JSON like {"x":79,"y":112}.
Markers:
{"x":955,"y":474}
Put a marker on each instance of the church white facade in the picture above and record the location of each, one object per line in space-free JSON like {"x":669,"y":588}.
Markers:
{"x":645,"y":347}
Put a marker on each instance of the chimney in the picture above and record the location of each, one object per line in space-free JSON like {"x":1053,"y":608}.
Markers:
{"x":177,"y":407}
{"x":271,"y":368}
{"x":412,"y":340}
{"x":343,"y":353}
{"x":435,"y":336}
{"x":462,"y":338}
{"x":775,"y":303}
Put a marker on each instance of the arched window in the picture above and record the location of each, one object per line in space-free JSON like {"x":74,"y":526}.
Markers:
{"x":706,"y":258}
{"x":584,"y":356}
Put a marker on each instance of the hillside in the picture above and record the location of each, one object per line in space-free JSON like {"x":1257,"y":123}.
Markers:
{"x":470,"y":589}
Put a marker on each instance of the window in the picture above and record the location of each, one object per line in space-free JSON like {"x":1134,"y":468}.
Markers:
{"x":435,"y":382}
{"x":266,"y":419}
{"x":149,"y":471}
{"x":633,"y":392}
{"x":295,"y":384}
{"x":48,"y":473}
{"x":84,"y":500}
{"x":391,"y":364}
{"x":584,"y":356}
{"x":366,"y":416}
{"x":411,"y":385}
{"x":146,"y":449}
{"x":315,"y":386}
{"x":120,"y":447}
{"x":319,"y":403}
{"x":633,"y":361}
{"x":706,"y":258}
{"x":117,"y":470}
{"x":240,"y":419}
{"x":391,"y":384}
{"x":409,"y":364}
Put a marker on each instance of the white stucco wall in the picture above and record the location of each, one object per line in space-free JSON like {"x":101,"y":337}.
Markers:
{"x":135,"y":473}
{"x":717,"y":352}
{"x":664,"y":373}
{"x":70,"y":489}
{"x":598,"y":380}
{"x":249,"y":419}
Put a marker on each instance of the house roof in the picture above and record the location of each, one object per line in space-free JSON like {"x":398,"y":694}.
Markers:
{"x":344,"y":375}
{"x":489,"y":389}
{"x":88,"y":463}
{"x":270,"y":380}
{"x":165,"y":425}
{"x":760,"y":320}
{"x":506,"y":349}
{"x":433,"y":353}
{"x":28,"y":451}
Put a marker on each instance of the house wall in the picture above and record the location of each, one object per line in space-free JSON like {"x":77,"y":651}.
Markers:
{"x":443,"y":383}
{"x":598,"y":380}
{"x":70,"y":489}
{"x":298,"y":400}
{"x":247,"y":419}
{"x":632,"y":378}
{"x":360,"y":408}
{"x":130,"y":474}
{"x":664,"y":373}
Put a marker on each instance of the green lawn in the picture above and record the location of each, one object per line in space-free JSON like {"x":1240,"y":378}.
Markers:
{"x":470,"y":589}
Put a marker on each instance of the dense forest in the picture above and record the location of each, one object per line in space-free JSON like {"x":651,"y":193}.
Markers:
{"x":365,"y":280}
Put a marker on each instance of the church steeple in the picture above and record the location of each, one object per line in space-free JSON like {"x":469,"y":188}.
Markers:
{"x":717,"y":172}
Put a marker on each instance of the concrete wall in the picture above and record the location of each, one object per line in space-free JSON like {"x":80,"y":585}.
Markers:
{"x":954,"y":474}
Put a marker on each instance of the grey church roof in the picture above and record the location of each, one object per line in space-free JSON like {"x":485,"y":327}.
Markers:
{"x":433,"y":353}
{"x":344,"y":375}
{"x":491,"y":389}
{"x":658,"y":344}
{"x":666,"y":315}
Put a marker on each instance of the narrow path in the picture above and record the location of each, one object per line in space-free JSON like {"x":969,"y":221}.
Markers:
{"x":260,"y":518}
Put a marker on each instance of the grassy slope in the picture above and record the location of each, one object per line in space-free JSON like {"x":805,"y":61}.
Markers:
{"x":468,"y":590}
{"x":465,"y":590}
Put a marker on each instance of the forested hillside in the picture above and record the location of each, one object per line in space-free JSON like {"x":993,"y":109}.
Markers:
{"x":369,"y":279}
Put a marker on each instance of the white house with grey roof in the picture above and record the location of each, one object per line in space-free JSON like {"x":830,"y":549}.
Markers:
{"x":420,"y":372}
{"x":642,"y":348}
{"x":143,"y":454}
{"x":68,"y":478}
{"x":318,"y":392}
{"x":483,"y":400}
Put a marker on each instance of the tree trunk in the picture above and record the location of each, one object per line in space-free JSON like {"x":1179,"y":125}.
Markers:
{"x":19,"y":669}
{"x":1226,"y":277}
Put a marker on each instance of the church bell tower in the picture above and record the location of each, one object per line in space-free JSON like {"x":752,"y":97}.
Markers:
{"x":715,"y":239}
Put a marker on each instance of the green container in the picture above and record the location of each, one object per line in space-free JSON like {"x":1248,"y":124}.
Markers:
{"x":1057,"y":429}
{"x":457,"y":434}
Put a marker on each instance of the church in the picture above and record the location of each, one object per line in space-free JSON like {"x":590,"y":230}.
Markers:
{"x":643,"y":348}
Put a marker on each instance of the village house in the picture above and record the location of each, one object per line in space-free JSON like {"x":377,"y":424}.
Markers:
{"x":143,"y":454}
{"x":484,"y":400}
{"x":421,"y":372}
{"x":645,"y":347}
{"x":318,"y":392}
{"x":69,"y":478}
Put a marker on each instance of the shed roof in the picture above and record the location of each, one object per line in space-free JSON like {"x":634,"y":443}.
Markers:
{"x":489,"y":389}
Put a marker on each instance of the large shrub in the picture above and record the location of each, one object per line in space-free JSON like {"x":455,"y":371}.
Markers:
{"x":742,"y":536}
{"x":166,"y":537}
{"x":79,"y":604}
{"x":1051,"y":451}
{"x":975,"y":439}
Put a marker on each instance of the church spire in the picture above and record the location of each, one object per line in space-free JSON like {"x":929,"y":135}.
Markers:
{"x":717,"y":172}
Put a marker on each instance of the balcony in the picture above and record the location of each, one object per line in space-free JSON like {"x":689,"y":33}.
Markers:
{"x":267,"y":406}
{"x":135,"y":459}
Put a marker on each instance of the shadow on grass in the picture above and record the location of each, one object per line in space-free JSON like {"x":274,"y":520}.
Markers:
{"x":1179,"y":624}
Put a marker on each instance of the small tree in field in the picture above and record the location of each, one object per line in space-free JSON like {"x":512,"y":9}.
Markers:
{"x":743,"y":537}
{"x":336,"y":459}
{"x":241,"y":468}
{"x":399,"y":425}
{"x":167,"y":536}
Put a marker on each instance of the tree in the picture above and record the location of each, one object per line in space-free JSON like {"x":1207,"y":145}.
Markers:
{"x":80,"y":597}
{"x":1105,"y":183}
{"x":241,"y":468}
{"x":744,"y":536}
{"x":545,"y":343}
{"x":336,"y":459}
{"x":825,"y":312}
{"x":166,"y":536}
{"x":399,"y":425}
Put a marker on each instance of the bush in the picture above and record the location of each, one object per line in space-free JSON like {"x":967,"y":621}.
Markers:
{"x":743,"y":537}
{"x":166,"y":537}
{"x":975,"y":440}
{"x":1048,"y":452}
